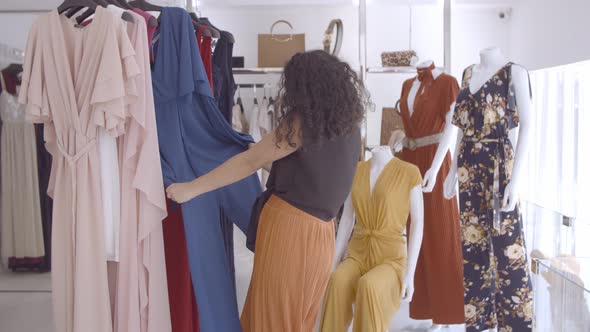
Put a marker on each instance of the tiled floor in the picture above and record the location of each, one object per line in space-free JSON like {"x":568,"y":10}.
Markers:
{"x":27,"y":305}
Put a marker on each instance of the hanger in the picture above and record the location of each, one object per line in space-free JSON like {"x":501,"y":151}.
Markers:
{"x":71,"y":4}
{"x":123,"y":4}
{"x":255,"y":94}
{"x":88,"y":12}
{"x":210,"y":31}
{"x":145,"y":6}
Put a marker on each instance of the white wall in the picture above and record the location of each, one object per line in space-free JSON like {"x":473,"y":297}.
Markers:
{"x":547,"y":33}
{"x":473,"y":28}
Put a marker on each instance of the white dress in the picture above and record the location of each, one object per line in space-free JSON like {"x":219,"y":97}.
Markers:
{"x":111,"y":184}
{"x":22,"y":229}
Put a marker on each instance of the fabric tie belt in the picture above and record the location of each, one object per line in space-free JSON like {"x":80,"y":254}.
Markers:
{"x":361,"y":232}
{"x":499,"y":172}
{"x":414,"y":143}
{"x":72,"y":160}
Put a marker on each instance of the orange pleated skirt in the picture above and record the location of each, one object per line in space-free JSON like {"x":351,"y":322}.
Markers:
{"x":292,"y":265}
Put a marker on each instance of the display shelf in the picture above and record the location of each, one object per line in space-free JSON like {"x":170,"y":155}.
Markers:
{"x":562,"y":294}
{"x":255,"y":71}
{"x":394,"y":70}
{"x":391,"y":70}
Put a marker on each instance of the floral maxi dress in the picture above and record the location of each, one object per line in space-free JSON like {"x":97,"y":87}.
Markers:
{"x":496,"y":274}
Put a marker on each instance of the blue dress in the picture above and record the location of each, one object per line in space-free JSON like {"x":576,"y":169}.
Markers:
{"x":194,"y":139}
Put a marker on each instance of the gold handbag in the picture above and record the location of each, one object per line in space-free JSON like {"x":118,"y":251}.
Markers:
{"x":397,"y":59}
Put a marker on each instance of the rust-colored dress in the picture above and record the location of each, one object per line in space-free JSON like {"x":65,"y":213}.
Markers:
{"x":439,"y":275}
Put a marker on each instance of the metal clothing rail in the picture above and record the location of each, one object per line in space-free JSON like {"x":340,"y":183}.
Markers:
{"x":257,"y":85}
{"x":256,"y":71}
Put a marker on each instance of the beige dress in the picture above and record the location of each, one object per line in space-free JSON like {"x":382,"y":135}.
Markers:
{"x":142,"y":288}
{"x":22,"y":231}
{"x":76,"y":80}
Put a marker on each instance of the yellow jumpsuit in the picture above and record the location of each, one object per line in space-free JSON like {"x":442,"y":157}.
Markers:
{"x":371,"y":276}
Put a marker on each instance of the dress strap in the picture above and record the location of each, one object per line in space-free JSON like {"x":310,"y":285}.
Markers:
{"x":72,"y":161}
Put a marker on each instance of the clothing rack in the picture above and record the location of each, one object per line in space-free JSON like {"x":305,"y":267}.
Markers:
{"x":256,"y":71}
{"x":258,"y":85}
{"x":11,"y":54}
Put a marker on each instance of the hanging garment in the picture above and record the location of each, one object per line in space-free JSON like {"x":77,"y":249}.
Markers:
{"x":239,"y":122}
{"x":294,"y":244}
{"x":22,"y":230}
{"x":496,"y":275}
{"x":150,"y":29}
{"x":46,"y":203}
{"x":77,"y":79}
{"x":439,"y":274}
{"x":194,"y":139}
{"x":223,"y":77}
{"x":253,"y":122}
{"x":183,"y":305}
{"x":371,"y":276}
{"x":287,"y":286}
{"x":111,"y":192}
{"x":204,"y":43}
{"x":142,"y":294}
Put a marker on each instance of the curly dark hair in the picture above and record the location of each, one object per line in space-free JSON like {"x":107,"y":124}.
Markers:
{"x":326,"y":96}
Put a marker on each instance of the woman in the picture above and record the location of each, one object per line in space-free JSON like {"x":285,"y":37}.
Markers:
{"x":314,"y":152}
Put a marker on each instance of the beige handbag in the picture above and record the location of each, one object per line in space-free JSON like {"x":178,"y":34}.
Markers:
{"x":275,"y":50}
{"x":397,"y":59}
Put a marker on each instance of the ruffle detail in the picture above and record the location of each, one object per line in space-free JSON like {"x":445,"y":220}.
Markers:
{"x":111,"y":98}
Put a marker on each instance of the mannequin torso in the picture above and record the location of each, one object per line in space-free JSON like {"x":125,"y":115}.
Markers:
{"x":381,"y":157}
{"x":491,"y":61}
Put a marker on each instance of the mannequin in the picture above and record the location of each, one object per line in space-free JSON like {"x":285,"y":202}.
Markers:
{"x":416,"y":85}
{"x":495,"y":98}
{"x":431,"y":95}
{"x":382,"y":156}
{"x":491,"y":60}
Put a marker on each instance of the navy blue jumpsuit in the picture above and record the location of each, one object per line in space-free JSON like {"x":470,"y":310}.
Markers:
{"x":194,"y":138}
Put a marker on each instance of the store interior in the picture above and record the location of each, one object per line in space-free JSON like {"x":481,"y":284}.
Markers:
{"x":544,"y":38}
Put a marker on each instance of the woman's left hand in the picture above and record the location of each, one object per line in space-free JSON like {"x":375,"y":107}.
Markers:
{"x":181,"y":192}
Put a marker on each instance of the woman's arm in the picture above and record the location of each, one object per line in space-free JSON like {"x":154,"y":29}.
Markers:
{"x":234,"y":169}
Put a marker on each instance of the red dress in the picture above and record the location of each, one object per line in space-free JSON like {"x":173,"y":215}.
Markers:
{"x":205,"y":50}
{"x":183,"y":305}
{"x":439,"y":274}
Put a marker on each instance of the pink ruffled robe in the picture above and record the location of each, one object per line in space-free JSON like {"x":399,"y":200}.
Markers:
{"x":76,"y":80}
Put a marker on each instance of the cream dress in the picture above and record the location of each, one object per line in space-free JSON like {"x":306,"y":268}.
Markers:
{"x":22,"y":230}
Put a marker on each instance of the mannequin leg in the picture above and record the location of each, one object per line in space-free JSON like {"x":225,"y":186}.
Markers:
{"x":514,"y":299}
{"x":478,"y":274}
{"x":340,"y":295}
{"x":378,"y":298}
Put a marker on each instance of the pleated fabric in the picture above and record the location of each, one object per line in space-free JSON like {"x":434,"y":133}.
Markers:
{"x":294,"y":254}
{"x":22,"y":230}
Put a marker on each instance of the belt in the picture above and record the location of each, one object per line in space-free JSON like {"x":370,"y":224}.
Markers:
{"x":361,"y":232}
{"x":72,"y":161}
{"x":414,"y":143}
{"x":483,"y":140}
{"x":500,"y":156}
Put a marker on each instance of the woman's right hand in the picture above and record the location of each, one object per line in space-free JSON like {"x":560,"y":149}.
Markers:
{"x":450,"y":186}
